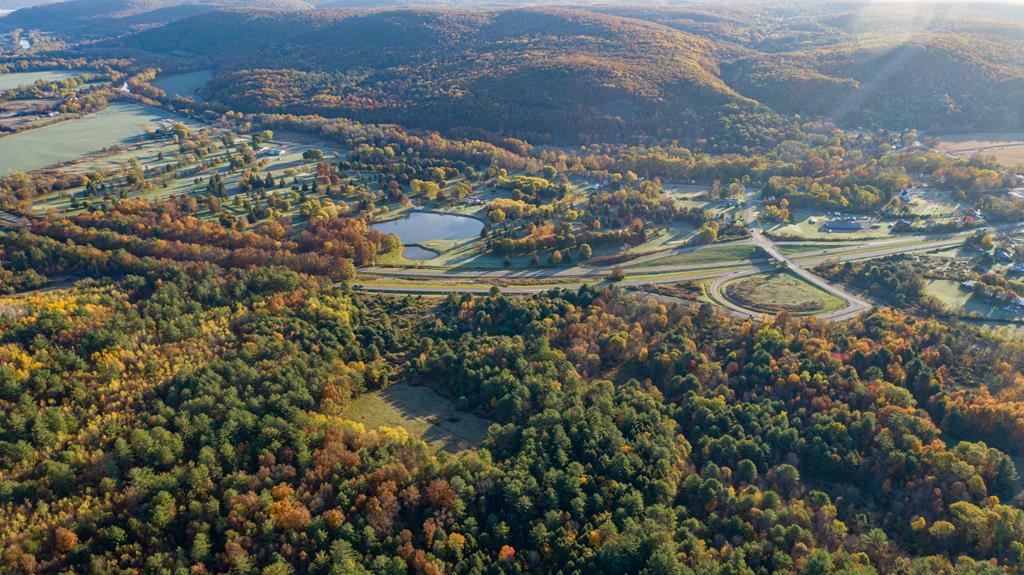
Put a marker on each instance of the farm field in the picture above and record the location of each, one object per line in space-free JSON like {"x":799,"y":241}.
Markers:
{"x":19,"y":79}
{"x":1007,"y":148}
{"x":119,"y":123}
{"x":186,"y":85}
{"x":423,"y":413}
{"x":780,"y":292}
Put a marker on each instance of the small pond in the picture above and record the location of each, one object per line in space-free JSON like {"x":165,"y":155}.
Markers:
{"x":416,"y":253}
{"x":418,"y":227}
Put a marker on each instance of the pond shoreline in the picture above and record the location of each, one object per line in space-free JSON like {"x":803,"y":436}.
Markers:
{"x":405,"y":214}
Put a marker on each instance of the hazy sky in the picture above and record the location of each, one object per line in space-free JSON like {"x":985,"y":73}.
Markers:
{"x":15,"y":4}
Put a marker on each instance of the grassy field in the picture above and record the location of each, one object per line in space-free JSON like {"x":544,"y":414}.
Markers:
{"x":19,"y":79}
{"x":156,"y":153}
{"x":780,"y":292}
{"x":707,"y":255}
{"x":185,"y":85}
{"x":804,"y":229}
{"x":119,"y":123}
{"x":931,"y":203}
{"x":795,"y":249}
{"x":950,"y":293}
{"x":423,"y":413}
{"x":1007,"y":148}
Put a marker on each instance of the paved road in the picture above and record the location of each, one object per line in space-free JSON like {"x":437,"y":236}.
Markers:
{"x":715,"y":271}
{"x":842,"y":252}
{"x":721,"y":272}
{"x":566,"y":272}
{"x":854,"y":304}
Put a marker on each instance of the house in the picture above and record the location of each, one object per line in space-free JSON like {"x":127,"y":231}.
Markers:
{"x":905,"y":196}
{"x":968,"y":285}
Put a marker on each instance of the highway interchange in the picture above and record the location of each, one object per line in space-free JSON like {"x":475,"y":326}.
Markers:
{"x":424,"y":280}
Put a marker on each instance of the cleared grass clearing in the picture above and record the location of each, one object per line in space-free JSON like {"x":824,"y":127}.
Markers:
{"x":119,"y":123}
{"x":711,"y":254}
{"x":780,"y":292}
{"x":421,"y":412}
{"x":19,"y":79}
{"x":963,"y":301}
{"x":1007,"y":148}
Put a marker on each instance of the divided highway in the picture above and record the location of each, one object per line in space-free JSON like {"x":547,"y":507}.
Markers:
{"x":854,"y":305}
{"x":721,"y":272}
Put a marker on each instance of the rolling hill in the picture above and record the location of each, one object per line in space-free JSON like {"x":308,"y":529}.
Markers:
{"x":943,"y":66}
{"x":571,"y":75}
{"x":90,"y":19}
{"x":937,"y":83}
{"x":581,"y":75}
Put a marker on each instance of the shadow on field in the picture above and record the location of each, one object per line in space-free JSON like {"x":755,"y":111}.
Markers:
{"x":423,"y":413}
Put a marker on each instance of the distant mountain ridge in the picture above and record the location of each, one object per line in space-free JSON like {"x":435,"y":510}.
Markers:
{"x":572,"y":75}
{"x":566,"y":73}
{"x":101,"y":18}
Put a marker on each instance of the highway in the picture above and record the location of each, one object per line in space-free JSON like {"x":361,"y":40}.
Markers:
{"x":721,"y":272}
{"x":854,"y":305}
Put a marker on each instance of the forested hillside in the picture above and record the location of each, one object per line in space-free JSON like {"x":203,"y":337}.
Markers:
{"x":174,"y":417}
{"x":937,"y":66}
{"x":581,"y":75}
{"x":567,"y":75}
{"x":294,"y":287}
{"x":102,"y":18}
{"x":931,"y":82}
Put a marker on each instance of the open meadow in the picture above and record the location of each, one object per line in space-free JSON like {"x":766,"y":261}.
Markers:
{"x":119,"y":123}
{"x":780,"y":292}
{"x":423,"y":413}
{"x":19,"y":79}
{"x":1007,"y":148}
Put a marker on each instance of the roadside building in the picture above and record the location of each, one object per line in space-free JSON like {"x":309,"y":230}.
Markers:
{"x":845,"y":226}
